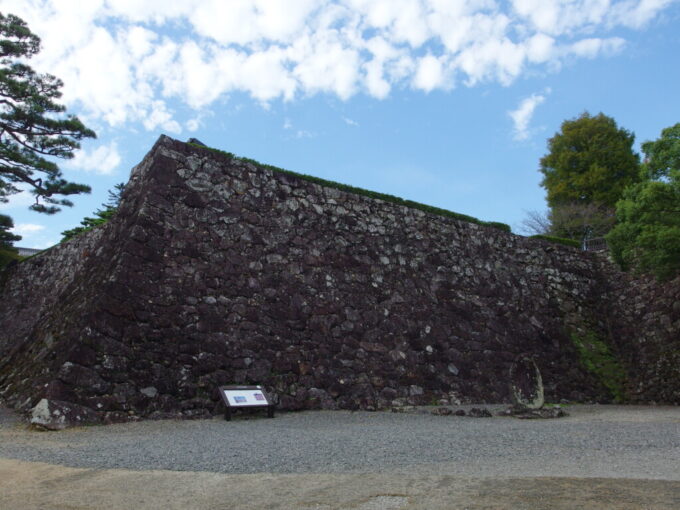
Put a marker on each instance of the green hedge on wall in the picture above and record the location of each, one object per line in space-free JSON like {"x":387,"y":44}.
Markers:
{"x":559,"y":240}
{"x":365,"y":192}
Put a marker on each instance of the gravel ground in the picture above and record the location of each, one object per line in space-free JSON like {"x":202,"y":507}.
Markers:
{"x":600,"y":457}
{"x":594,"y":441}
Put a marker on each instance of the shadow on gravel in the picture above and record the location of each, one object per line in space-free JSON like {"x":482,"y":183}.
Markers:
{"x":33,"y":486}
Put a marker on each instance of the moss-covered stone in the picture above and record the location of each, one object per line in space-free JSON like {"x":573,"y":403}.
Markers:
{"x":597,"y":357}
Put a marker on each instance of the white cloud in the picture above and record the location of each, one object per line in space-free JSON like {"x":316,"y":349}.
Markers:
{"x":637,"y":13}
{"x":159,"y":116}
{"x":557,"y":17}
{"x":429,"y":73}
{"x":33,"y":236}
{"x":27,"y":229}
{"x":244,"y":22}
{"x":19,"y":200}
{"x":302,"y":133}
{"x":498,"y":60}
{"x":265,"y":76}
{"x":521,"y":117}
{"x":44,"y":244}
{"x":325,"y":62}
{"x":297,"y":133}
{"x":123,"y":61}
{"x":102,"y":160}
{"x":591,"y":48}
{"x":193,"y":125}
{"x":198,"y":121}
{"x":350,"y":122}
{"x":140,"y":41}
{"x":540,"y":48}
{"x":380,"y":67}
{"x":40,"y":244}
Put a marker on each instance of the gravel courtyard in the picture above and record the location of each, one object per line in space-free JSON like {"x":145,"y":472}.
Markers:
{"x":598,"y":457}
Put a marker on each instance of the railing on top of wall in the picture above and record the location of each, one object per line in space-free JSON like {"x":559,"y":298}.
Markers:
{"x":594,"y":244}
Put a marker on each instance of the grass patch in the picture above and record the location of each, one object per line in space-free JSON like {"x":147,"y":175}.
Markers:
{"x":364,"y":192}
{"x":597,"y":358}
{"x":558,"y":240}
{"x":550,"y":405}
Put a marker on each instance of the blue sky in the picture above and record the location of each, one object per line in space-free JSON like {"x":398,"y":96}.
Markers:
{"x":446,"y":102}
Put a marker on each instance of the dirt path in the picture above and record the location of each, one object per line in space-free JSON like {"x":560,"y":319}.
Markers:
{"x":33,"y":486}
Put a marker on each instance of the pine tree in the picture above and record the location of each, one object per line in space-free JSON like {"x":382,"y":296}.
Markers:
{"x":101,"y":215}
{"x":32,"y":131}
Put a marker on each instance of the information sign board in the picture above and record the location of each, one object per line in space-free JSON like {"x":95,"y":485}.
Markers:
{"x":245,"y":397}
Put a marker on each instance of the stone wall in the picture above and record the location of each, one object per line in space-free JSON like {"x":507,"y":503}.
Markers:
{"x":216,"y":271}
{"x":644,"y":323}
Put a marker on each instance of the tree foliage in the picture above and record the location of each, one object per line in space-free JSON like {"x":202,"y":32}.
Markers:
{"x":647,"y":235}
{"x":535,"y":223}
{"x":663,"y":155}
{"x":7,"y":252}
{"x":31,"y":128}
{"x":580,"y":220}
{"x":6,"y":237}
{"x":570,"y":221}
{"x":101,"y":215}
{"x":589,"y":161}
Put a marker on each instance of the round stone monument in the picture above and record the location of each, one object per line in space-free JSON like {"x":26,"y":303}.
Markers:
{"x":526,"y":384}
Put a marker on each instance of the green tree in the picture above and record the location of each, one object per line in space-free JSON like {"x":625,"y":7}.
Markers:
{"x":590,"y":161}
{"x":580,"y":220}
{"x":101,"y":215}
{"x":7,"y":252}
{"x":646,"y":238}
{"x":31,"y":127}
{"x":6,"y":237}
{"x":663,"y":155}
{"x":647,"y":235}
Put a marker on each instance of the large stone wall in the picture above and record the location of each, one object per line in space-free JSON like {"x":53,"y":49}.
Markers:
{"x":644,"y":324}
{"x":215,"y":271}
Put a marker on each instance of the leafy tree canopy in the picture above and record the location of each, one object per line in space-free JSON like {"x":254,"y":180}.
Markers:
{"x":646,"y":238}
{"x":589,"y":161}
{"x":31,"y":127}
{"x":663,"y":155}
